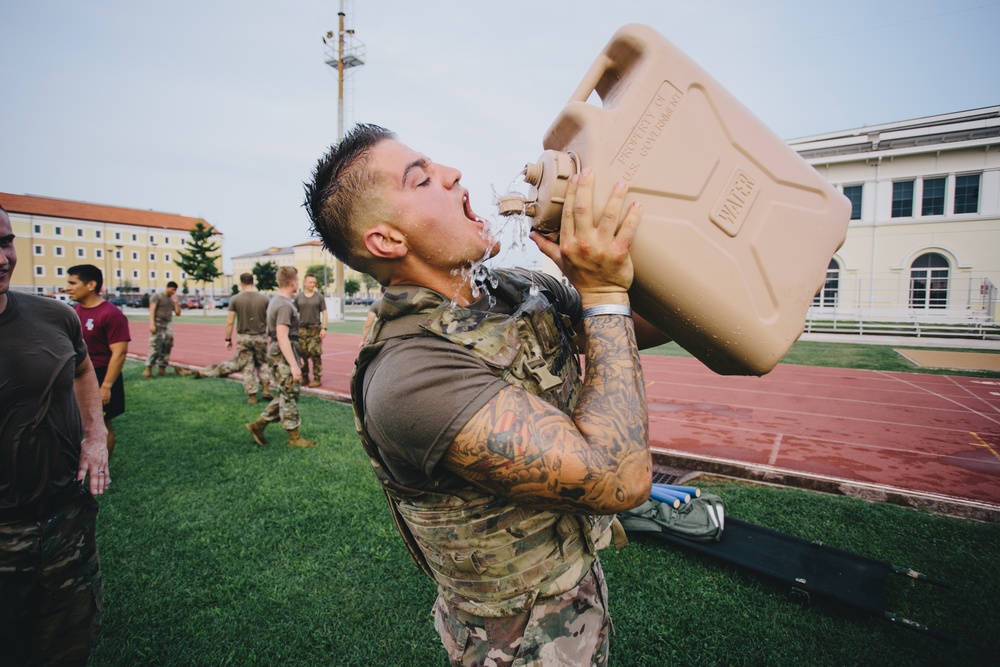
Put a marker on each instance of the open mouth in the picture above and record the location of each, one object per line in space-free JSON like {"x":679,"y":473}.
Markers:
{"x":469,"y":213}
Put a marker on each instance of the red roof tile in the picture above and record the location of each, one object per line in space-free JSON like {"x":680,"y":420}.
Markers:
{"x":64,"y":208}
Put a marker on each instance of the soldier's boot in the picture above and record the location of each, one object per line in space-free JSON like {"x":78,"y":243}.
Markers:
{"x":162,"y":371}
{"x":184,"y":372}
{"x":315,"y":382}
{"x":252,"y":399}
{"x":266,"y":390}
{"x":147,"y":372}
{"x":256,"y":429}
{"x":296,"y":440}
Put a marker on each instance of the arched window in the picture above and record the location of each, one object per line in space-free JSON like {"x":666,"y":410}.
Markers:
{"x":929,"y":281}
{"x":826,"y":297}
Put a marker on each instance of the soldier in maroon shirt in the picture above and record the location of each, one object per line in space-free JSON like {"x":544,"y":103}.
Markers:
{"x":105,"y":331}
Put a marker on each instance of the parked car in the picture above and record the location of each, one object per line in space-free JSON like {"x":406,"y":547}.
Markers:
{"x":190,"y":302}
{"x":222,"y":303}
{"x":119,"y":301}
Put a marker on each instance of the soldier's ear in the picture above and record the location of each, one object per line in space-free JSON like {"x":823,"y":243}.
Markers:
{"x":385,"y":241}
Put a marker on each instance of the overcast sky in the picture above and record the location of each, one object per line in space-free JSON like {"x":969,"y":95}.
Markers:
{"x":220,"y":108}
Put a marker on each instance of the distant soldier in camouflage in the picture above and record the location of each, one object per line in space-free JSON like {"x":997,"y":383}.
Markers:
{"x":504,"y":469}
{"x":162,"y":308}
{"x":312,"y":330}
{"x":52,"y":438}
{"x":283,"y":363}
{"x":248,"y":311}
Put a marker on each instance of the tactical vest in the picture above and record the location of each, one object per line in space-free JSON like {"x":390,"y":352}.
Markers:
{"x":489,"y":556}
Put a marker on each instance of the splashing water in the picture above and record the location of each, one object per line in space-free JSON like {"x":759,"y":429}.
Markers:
{"x":478,"y":276}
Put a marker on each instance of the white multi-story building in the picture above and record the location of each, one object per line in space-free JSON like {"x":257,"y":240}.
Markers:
{"x":923,"y":243}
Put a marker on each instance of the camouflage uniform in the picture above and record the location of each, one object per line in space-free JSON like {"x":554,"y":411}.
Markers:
{"x":551,"y":604}
{"x":160,"y":344}
{"x":311,"y":349}
{"x":162,"y":340}
{"x":251,"y":352}
{"x":285,"y":405}
{"x":55,"y":553}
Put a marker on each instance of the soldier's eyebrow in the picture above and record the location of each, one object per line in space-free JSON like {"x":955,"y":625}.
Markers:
{"x":7,"y":239}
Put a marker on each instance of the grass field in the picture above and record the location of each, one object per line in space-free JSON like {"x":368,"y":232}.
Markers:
{"x":218,"y":552}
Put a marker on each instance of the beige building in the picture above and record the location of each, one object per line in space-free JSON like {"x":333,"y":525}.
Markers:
{"x":135,"y":249}
{"x":923,"y":243}
{"x":301,"y":256}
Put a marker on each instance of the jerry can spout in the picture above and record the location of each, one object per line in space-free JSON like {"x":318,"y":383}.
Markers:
{"x":548,"y":178}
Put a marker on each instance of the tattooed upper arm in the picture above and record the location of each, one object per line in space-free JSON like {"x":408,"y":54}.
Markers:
{"x":520,"y":447}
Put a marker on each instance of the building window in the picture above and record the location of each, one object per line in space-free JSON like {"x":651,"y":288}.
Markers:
{"x":166,"y":275}
{"x":97,"y":233}
{"x":58,"y":231}
{"x":134,"y":238}
{"x":152,"y":256}
{"x":902,"y":199}
{"x":79,"y":233}
{"x":853,"y":193}
{"x":929,"y":281}
{"x":40,"y":271}
{"x":967,"y":193}
{"x":39,"y":250}
{"x":98,"y":253}
{"x":38,"y":229}
{"x":166,"y":258}
{"x":135,"y":256}
{"x":135,"y":274}
{"x":118,"y":254}
{"x":166,"y":240}
{"x":826,"y":297}
{"x":152,"y":239}
{"x":118,"y":236}
{"x":152,"y":275}
{"x":59,"y":251}
{"x":81,"y":252}
{"x":933,"y":199}
{"x":60,"y":271}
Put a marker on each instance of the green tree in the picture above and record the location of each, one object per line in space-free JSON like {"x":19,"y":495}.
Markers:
{"x":318,"y":271}
{"x":370,"y":282}
{"x":266,"y":275}
{"x":236,"y":290}
{"x":351,"y":287}
{"x":200,"y":256}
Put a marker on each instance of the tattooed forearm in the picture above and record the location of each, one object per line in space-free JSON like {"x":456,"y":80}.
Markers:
{"x":521,"y":447}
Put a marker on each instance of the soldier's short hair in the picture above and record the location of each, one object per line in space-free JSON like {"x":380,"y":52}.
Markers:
{"x":88,"y":273}
{"x":286,"y":274}
{"x":246,"y":278}
{"x":172,"y":284}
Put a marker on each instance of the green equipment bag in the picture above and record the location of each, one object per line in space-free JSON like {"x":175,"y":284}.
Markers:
{"x":702,"y":519}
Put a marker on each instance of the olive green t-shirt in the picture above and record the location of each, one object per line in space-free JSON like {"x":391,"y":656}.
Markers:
{"x":251,"y":313}
{"x":281,"y":310}
{"x":310,"y":308}
{"x":164,"y":308}
{"x":420,"y":392}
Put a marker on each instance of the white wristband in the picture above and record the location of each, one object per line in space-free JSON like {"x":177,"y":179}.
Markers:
{"x":607,"y":309}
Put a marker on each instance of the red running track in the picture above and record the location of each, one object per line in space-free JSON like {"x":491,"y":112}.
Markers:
{"x":923,"y":440}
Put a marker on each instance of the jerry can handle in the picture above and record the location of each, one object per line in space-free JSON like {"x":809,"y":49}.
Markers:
{"x":590,"y":80}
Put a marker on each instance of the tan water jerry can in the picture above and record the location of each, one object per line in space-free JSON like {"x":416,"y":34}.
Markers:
{"x":737,"y":230}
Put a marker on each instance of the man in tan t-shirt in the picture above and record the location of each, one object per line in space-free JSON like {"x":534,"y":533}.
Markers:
{"x":248,"y":311}
{"x":162,"y":308}
{"x":312,"y":330}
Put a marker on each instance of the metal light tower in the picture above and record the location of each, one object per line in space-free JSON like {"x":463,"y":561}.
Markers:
{"x":349,"y":53}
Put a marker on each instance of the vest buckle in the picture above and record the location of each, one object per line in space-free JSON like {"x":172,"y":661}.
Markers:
{"x":540,"y":371}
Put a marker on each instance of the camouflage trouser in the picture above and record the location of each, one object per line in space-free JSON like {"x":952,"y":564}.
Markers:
{"x":567,"y":629}
{"x":160,"y":344}
{"x":251,"y":353}
{"x":51,"y":591}
{"x":311,"y":348}
{"x":285,"y":405}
